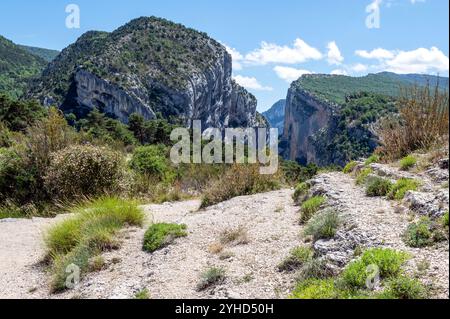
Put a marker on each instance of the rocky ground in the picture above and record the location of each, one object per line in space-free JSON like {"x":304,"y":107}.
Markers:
{"x":271,"y":222}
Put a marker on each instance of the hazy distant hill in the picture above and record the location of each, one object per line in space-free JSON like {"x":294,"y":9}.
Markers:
{"x":46,"y":54}
{"x":275,"y":115}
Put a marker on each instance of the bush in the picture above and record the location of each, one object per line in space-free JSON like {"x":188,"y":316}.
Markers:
{"x":78,"y":239}
{"x":387,"y":260}
{"x":314,"y":269}
{"x":211,"y":277}
{"x":301,"y":192}
{"x":296,"y":259}
{"x":239,"y":180}
{"x":445,"y":220}
{"x":350,"y":167}
{"x":142,"y":295}
{"x":423,"y":121}
{"x":237,"y":236}
{"x":378,"y":187}
{"x":423,"y":233}
{"x":362,"y":176}
{"x":408,"y":162}
{"x":372,"y":159}
{"x":404,"y":287}
{"x":83,"y":170}
{"x":403,"y":185}
{"x":316,"y":289}
{"x":162,"y":235}
{"x":310,"y":207}
{"x":150,"y":160}
{"x":323,"y":225}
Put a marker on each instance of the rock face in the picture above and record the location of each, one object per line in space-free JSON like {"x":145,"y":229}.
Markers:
{"x":305,"y":116}
{"x":148,"y":66}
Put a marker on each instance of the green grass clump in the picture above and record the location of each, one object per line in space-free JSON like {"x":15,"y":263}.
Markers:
{"x":362,"y":176}
{"x":310,"y":207}
{"x":162,"y":234}
{"x":388,"y":261}
{"x":404,"y":287}
{"x":300,"y":192}
{"x":91,"y":231}
{"x":297,"y":258}
{"x":323,"y":226}
{"x":316,"y":289}
{"x":142,"y":295}
{"x":211,"y":277}
{"x":445,"y":220}
{"x":372,"y":159}
{"x":378,"y":186}
{"x":408,"y":162}
{"x":316,"y":268}
{"x":349,"y":167}
{"x":423,"y":233}
{"x":403,"y":185}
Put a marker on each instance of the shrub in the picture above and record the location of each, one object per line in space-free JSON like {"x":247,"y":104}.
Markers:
{"x":142,"y":294}
{"x":18,"y":177}
{"x":363,"y":175}
{"x":162,"y":235}
{"x":211,"y":277}
{"x":310,"y":207}
{"x":301,"y":192}
{"x":372,"y":159}
{"x":296,"y":259}
{"x":388,"y":261}
{"x":350,"y":167}
{"x":323,"y":225}
{"x":403,"y":185}
{"x":316,"y":289}
{"x":239,"y":180}
{"x":378,"y":187}
{"x":445,"y":220}
{"x":150,"y":160}
{"x":404,"y":287}
{"x":237,"y":236}
{"x":408,"y":162}
{"x":78,"y":239}
{"x":83,"y":170}
{"x":423,"y":233}
{"x":423,"y":121}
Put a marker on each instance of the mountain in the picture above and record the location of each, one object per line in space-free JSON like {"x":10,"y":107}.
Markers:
{"x":46,"y":54}
{"x":17,"y":68}
{"x":275,"y":115}
{"x":330,"y":118}
{"x":149,"y":66}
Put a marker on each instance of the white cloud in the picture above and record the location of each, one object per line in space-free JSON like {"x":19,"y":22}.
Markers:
{"x":251,"y":83}
{"x":334,"y":54}
{"x":378,"y":54}
{"x":290,"y":74}
{"x":359,"y":68}
{"x":420,"y":60}
{"x":417,"y":1}
{"x":272,"y":53}
{"x":236,"y":56}
{"x":339,"y":72}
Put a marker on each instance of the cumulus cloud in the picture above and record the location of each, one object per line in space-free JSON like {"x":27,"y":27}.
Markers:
{"x":272,"y":53}
{"x":420,"y":60}
{"x":334,"y":54}
{"x":251,"y":83}
{"x":289,"y":74}
{"x":378,"y":54}
{"x":359,"y":68}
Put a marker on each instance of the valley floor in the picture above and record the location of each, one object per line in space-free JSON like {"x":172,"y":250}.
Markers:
{"x":272,"y":223}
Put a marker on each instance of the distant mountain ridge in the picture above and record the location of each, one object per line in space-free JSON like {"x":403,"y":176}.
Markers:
{"x":46,"y":54}
{"x":275,"y":115}
{"x":17,"y":67}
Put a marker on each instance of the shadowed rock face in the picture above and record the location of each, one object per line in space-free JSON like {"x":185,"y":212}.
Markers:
{"x":305,"y":116}
{"x":148,"y":66}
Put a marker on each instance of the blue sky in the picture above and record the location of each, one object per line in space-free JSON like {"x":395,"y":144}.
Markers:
{"x":273,"y":42}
